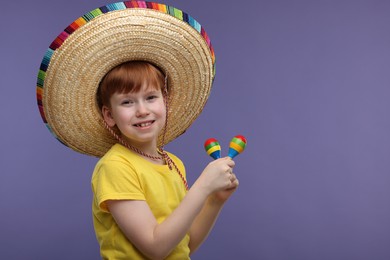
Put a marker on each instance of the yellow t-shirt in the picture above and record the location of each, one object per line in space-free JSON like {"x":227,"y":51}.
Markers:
{"x":124,"y":175}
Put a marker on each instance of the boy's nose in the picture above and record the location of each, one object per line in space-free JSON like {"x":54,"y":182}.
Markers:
{"x":142,"y":110}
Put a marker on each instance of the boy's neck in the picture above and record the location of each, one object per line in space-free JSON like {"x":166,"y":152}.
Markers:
{"x":148,"y":150}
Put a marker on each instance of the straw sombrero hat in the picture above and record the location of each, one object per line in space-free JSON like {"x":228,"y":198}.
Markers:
{"x":88,"y":48}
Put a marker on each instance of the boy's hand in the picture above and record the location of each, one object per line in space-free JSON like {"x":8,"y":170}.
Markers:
{"x":224,"y":195}
{"x":218,"y":179}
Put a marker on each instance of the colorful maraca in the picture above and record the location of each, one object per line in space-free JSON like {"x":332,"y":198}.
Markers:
{"x":213,"y":148}
{"x":237,"y":146}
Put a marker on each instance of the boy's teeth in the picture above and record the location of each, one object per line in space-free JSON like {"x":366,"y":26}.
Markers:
{"x":144,"y":124}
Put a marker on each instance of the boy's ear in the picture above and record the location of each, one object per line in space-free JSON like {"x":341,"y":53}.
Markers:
{"x":107,"y":116}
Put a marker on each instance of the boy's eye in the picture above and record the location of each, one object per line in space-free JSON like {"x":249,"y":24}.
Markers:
{"x":127,"y":102}
{"x":151,"y":97}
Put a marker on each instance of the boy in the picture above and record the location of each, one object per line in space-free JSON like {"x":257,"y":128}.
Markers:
{"x":121,"y":82}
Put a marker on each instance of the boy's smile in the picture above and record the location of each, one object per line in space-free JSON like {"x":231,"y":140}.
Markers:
{"x":144,"y":124}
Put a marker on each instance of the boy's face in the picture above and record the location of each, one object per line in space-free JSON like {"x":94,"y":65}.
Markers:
{"x":140,"y":116}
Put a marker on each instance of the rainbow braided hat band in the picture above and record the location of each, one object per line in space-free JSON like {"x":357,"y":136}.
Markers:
{"x":92,"y":45}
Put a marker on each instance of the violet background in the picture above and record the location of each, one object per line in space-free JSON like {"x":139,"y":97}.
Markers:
{"x":307,"y":82}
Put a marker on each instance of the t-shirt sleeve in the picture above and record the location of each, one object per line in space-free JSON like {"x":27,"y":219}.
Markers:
{"x":117,"y":181}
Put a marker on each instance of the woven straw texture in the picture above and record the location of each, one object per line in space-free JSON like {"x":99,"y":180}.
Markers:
{"x":79,"y":58}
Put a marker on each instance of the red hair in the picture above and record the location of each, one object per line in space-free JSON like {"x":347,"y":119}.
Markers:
{"x":129,"y":77}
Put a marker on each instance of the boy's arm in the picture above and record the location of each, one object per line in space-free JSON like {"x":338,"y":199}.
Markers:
{"x":206,"y":219}
{"x":154,"y":240}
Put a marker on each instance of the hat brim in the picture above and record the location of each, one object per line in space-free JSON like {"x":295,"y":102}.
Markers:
{"x":73,"y":69}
